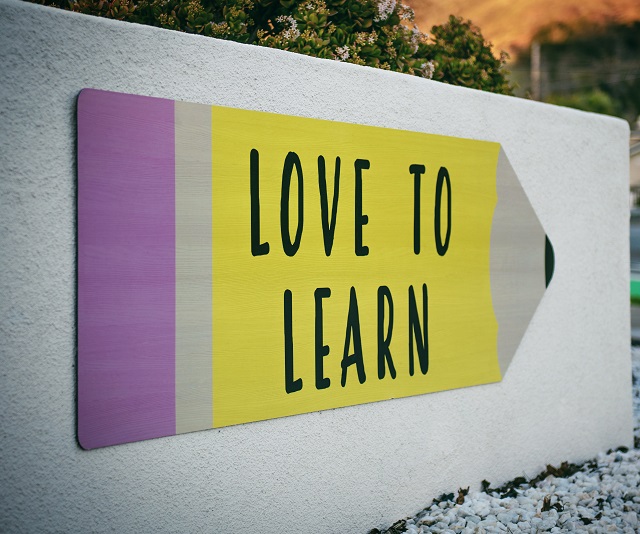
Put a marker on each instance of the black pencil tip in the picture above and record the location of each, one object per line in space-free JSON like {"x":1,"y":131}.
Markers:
{"x":549,"y":260}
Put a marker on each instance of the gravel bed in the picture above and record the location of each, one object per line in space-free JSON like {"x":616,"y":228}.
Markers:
{"x":601,"y":495}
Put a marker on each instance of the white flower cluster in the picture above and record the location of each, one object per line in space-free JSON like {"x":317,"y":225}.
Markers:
{"x":364,"y":38}
{"x":416,"y":37}
{"x":406,"y":12}
{"x":385,"y":9}
{"x":317,"y":6}
{"x":342,"y":53}
{"x":428,"y":69}
{"x":291,"y":31}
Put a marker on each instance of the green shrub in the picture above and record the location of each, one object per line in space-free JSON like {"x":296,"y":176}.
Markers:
{"x":595,"y":100}
{"x":376,"y":33}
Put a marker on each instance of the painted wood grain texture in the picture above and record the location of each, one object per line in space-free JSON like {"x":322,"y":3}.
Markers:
{"x":237,"y":266}
{"x":126,"y":273}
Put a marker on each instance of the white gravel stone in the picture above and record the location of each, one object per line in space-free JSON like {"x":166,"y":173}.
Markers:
{"x":602,"y":496}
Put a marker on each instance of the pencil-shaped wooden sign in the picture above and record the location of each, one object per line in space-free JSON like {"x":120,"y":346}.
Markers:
{"x":237,"y":266}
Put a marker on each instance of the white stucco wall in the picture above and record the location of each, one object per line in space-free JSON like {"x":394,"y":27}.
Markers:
{"x":566,"y":395}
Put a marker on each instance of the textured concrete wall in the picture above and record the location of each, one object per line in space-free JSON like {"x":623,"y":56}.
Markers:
{"x":566,"y":395}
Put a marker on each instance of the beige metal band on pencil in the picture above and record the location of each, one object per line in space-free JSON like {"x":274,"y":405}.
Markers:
{"x":193,"y":267}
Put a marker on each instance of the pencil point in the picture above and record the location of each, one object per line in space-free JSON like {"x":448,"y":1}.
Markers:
{"x":521,"y":261}
{"x":549,"y":260}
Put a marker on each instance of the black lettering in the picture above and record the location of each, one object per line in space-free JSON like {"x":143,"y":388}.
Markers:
{"x":384,"y":294}
{"x":421,"y":335}
{"x":290,"y":385}
{"x":443,"y":175}
{"x":322,"y":350}
{"x":290,"y":248}
{"x":416,"y":170}
{"x":353,"y":332}
{"x":360,"y":219}
{"x":328,"y":226}
{"x":257,"y":248}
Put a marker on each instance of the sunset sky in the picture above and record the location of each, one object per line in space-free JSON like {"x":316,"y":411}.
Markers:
{"x":509,"y":25}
